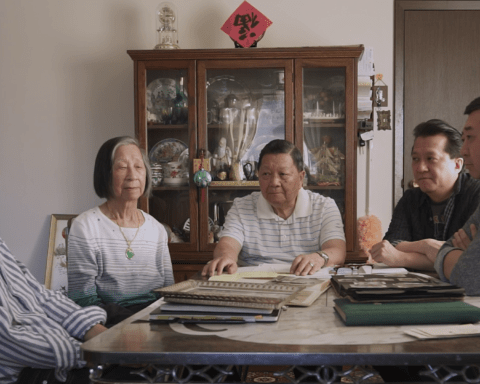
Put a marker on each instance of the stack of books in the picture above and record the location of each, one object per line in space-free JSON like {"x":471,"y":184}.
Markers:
{"x":402,"y":299}
{"x":223,"y":301}
{"x":196,"y":313}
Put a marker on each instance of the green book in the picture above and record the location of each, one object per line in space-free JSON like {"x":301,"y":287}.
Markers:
{"x":438,"y":312}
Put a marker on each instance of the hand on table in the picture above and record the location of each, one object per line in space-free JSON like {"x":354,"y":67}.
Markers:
{"x":385,"y":252}
{"x":307,"y":264}
{"x":461,"y":239}
{"x":94,"y":331}
{"x":220,"y":265}
{"x":427,"y":247}
{"x":430,"y":248}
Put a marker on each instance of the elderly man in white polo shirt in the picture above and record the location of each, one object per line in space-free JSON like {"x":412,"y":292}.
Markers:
{"x":282,"y":223}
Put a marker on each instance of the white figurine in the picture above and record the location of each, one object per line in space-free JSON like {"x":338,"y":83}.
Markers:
{"x":222,"y":157}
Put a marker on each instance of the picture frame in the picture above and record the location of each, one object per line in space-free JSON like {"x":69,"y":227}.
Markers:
{"x":233,"y":294}
{"x":56,"y":268}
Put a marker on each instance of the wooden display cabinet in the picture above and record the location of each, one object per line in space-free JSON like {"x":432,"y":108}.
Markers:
{"x":231,"y":102}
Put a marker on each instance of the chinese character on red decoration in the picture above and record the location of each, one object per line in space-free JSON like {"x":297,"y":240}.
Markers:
{"x":246,"y":25}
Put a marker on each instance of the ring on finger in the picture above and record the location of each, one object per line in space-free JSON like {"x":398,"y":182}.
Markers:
{"x":311,"y":264}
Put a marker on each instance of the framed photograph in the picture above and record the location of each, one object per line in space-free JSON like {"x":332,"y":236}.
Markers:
{"x":234,"y":294}
{"x":56,"y":270}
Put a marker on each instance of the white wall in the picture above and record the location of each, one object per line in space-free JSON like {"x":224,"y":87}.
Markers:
{"x":66,"y":86}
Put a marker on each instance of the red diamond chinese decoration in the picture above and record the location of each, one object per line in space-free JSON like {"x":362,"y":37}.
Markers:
{"x":246,"y":25}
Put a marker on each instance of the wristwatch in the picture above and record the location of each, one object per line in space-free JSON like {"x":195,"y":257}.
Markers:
{"x":324,"y":256}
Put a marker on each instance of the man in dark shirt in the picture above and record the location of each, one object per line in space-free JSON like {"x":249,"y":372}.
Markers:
{"x":458,"y":260}
{"x":428,"y":215}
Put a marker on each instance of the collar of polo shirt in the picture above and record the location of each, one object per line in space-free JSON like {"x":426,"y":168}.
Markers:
{"x":303,"y":208}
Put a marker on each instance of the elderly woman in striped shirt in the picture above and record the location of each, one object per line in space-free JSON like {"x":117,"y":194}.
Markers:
{"x":118,"y":254}
{"x":281,"y":223}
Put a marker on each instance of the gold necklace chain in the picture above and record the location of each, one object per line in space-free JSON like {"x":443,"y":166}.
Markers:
{"x":129,"y":251}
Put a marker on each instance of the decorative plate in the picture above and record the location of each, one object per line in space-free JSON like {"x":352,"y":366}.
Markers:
{"x":162,"y":89}
{"x":219,"y":87}
{"x":167,"y":150}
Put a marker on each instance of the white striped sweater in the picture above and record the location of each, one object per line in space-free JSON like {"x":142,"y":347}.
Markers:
{"x":100,"y":273}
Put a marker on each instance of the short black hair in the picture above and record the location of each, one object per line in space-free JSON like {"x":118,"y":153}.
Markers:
{"x":435,"y":127}
{"x":279,"y":146}
{"x":102,"y":174}
{"x":473,"y":106}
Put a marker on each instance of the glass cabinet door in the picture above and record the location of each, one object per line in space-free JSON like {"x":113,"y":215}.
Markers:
{"x":324,"y":131}
{"x":326,"y":125}
{"x":169,"y":135}
{"x":245,"y":108}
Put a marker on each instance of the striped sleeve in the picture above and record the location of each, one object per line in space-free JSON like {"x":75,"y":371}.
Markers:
{"x":75,"y":319}
{"x":39,"y":328}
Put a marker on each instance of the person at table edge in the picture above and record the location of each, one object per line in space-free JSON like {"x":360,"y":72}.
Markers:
{"x":41,"y":330}
{"x":458,"y":260}
{"x":281,"y":223}
{"x":118,"y":254}
{"x":428,"y":215}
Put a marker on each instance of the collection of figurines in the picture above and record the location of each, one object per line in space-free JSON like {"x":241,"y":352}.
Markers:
{"x":167,"y":102}
{"x":323,"y":105}
{"x":225,"y":167}
{"x":329,"y":164}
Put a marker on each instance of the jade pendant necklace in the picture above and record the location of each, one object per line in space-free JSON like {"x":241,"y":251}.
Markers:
{"x":129,"y":254}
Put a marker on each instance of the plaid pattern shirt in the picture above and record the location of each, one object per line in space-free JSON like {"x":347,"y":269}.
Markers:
{"x":412,"y":218}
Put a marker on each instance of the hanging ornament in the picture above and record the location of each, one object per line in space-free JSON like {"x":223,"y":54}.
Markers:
{"x":202,"y":177}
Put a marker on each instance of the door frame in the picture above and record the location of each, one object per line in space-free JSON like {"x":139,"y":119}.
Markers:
{"x":402,"y":6}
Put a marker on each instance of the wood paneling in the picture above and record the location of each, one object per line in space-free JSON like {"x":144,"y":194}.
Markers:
{"x":437,"y":70}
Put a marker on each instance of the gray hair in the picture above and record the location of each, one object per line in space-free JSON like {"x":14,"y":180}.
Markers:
{"x":102,"y":175}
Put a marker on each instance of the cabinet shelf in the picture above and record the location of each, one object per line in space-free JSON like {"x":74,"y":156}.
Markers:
{"x":236,"y":187}
{"x":320,"y":187}
{"x":324,"y":124}
{"x":235,"y":184}
{"x":171,"y":188}
{"x":166,"y":126}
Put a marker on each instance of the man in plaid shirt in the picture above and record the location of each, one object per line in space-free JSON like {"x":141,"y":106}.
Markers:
{"x":428,"y":215}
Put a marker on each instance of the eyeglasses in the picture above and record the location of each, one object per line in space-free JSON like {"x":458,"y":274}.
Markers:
{"x":346,"y":269}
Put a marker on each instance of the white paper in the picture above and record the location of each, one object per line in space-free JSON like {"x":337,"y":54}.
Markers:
{"x":366,"y":65}
{"x":390,"y":271}
{"x":445,"y":331}
{"x":266,"y":271}
{"x":284,"y":268}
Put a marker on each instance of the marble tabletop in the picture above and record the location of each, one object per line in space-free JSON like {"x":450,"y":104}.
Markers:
{"x":303,"y":335}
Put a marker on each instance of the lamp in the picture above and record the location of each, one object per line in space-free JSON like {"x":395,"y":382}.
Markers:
{"x":167,"y":26}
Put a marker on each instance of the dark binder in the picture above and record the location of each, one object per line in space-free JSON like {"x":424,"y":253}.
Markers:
{"x":447,"y":312}
{"x":398,"y":287}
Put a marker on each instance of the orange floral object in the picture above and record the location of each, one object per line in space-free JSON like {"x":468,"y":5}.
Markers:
{"x":369,"y":233}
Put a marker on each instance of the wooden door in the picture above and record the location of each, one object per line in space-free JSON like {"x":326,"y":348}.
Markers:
{"x":437,"y":70}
